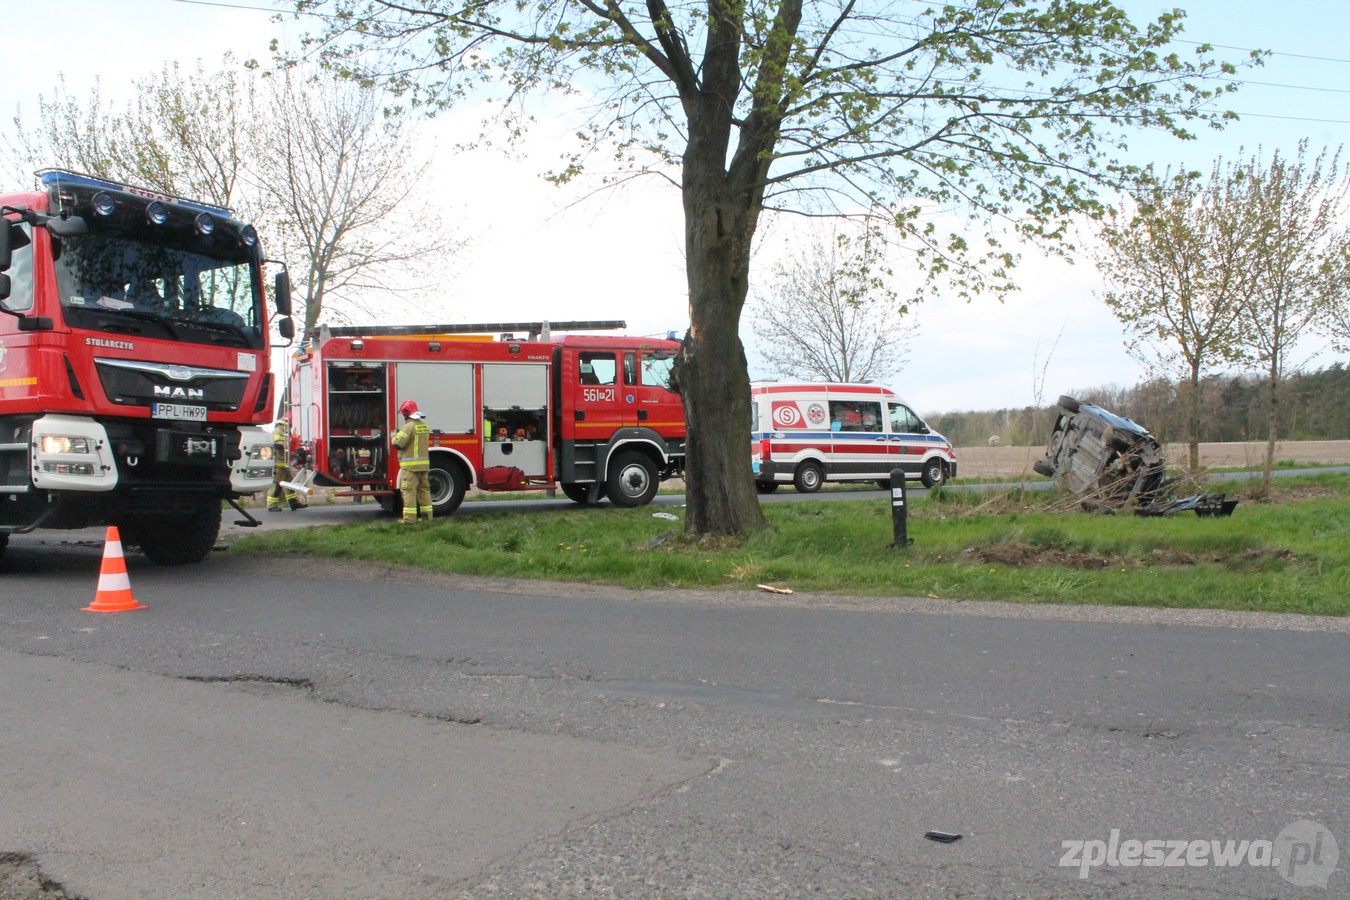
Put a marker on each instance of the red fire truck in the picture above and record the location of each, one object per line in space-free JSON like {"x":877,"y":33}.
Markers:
{"x":133,"y":364}
{"x":594,"y":415}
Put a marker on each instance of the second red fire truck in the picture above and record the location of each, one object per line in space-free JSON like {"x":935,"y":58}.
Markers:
{"x":594,"y":415}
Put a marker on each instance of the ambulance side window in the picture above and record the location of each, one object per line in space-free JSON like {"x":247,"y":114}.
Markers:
{"x":856,"y":415}
{"x":596,"y":368}
{"x":904,"y":421}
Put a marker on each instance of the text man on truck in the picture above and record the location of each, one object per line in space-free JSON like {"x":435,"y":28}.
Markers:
{"x":133,"y":363}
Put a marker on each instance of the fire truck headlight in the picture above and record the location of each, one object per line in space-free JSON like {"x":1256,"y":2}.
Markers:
{"x":104,"y":203}
{"x":59,"y":443}
{"x":156,"y":213}
{"x":261,"y":453}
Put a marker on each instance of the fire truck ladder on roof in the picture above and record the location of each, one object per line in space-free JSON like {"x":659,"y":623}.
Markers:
{"x":534,"y":329}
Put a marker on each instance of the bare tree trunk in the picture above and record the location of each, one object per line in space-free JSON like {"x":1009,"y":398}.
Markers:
{"x":1272,"y":426}
{"x":1193,"y":420}
{"x":711,"y":370}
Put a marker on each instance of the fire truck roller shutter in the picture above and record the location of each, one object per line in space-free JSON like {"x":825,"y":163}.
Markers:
{"x":444,"y":393}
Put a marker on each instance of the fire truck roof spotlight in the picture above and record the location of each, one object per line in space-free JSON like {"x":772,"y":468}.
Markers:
{"x":358,"y":345}
{"x":156,"y":213}
{"x":250,"y":235}
{"x":104,"y":203}
{"x":206,"y":223}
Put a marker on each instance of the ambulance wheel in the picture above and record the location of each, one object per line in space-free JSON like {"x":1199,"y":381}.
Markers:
{"x":808,"y":478}
{"x":178,"y":540}
{"x":632,"y":480}
{"x":766,"y":487}
{"x":579,"y":493}
{"x":448,"y":484}
{"x":934,"y":473}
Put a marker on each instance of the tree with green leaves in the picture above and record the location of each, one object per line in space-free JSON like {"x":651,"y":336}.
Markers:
{"x":1299,"y":260}
{"x":1007,"y":112}
{"x":1175,"y":262}
{"x":829,"y":312}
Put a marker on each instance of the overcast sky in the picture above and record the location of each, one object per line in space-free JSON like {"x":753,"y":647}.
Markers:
{"x":541,"y":252}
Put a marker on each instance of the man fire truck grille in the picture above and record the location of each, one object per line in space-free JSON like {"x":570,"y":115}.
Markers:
{"x":140,"y":384}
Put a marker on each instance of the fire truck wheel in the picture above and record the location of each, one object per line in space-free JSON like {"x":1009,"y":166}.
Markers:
{"x":4,"y":542}
{"x":934,"y":473}
{"x":808,"y":477}
{"x":579,"y":493}
{"x":766,"y":487}
{"x":178,"y":540}
{"x":632,"y":480}
{"x":448,"y":484}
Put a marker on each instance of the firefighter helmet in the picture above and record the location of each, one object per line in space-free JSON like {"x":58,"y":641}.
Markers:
{"x":408,"y":409}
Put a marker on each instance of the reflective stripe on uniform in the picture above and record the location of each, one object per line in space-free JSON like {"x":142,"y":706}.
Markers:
{"x":417,"y":454}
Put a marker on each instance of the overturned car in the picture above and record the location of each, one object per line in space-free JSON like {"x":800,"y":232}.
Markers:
{"x":1111,"y":462}
{"x":1102,"y":457}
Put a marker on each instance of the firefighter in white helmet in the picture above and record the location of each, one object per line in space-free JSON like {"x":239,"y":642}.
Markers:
{"x":281,"y":471}
{"x":413,"y":443}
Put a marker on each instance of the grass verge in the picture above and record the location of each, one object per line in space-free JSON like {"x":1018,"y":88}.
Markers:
{"x":1290,"y":553}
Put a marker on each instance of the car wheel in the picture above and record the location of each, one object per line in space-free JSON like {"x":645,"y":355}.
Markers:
{"x":934,"y":473}
{"x":766,"y":487}
{"x":1041,"y":467}
{"x":1068,"y":403}
{"x":448,"y":484}
{"x":632,"y":480}
{"x":808,"y":477}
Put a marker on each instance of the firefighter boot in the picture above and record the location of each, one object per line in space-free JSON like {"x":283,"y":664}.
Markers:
{"x":295,"y":503}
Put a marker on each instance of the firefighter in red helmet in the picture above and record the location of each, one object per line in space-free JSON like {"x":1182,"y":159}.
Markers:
{"x":413,"y":443}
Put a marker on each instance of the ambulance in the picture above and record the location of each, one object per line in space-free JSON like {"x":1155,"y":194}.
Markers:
{"x":806,"y":434}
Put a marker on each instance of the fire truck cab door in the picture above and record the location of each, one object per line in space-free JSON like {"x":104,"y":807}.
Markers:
{"x":659,"y":406}
{"x":604,"y":402}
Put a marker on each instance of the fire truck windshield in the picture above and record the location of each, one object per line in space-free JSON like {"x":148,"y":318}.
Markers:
{"x":109,"y":282}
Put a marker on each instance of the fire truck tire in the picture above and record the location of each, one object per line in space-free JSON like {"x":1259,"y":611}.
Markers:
{"x":579,"y":493}
{"x":808,"y":477}
{"x":4,"y":542}
{"x":448,"y":484}
{"x":934,"y":473}
{"x":632,"y":480}
{"x":766,"y":487}
{"x":179,"y":540}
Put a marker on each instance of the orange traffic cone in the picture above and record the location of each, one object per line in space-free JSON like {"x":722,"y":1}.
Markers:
{"x":114,"y":588}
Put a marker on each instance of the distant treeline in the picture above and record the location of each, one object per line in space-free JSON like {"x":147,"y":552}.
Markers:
{"x":1314,"y":406}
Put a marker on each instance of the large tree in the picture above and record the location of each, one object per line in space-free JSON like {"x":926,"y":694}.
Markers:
{"x":1175,"y":259}
{"x":1009,"y":110}
{"x":829,"y":312}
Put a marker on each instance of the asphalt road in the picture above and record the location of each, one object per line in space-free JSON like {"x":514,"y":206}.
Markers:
{"x":291,"y":729}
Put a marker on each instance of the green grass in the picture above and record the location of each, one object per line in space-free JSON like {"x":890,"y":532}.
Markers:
{"x":1289,"y":555}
